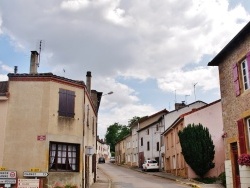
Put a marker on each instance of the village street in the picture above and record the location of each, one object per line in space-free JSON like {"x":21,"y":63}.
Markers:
{"x":113,"y":176}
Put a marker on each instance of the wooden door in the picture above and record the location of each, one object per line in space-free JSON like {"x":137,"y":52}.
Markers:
{"x":235,"y":165}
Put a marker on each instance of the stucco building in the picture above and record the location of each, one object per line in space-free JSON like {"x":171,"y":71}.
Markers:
{"x":233,"y":62}
{"x":209,"y":116}
{"x":48,"y":123}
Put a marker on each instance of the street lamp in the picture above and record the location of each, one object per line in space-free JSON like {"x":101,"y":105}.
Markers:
{"x":109,"y":93}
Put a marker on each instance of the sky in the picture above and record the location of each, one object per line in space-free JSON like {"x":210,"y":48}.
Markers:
{"x":151,"y":54}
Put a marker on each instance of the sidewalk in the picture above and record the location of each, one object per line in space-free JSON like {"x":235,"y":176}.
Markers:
{"x":102,"y":180}
{"x":181,"y":180}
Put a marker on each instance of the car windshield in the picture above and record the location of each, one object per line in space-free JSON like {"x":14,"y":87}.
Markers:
{"x":152,"y":161}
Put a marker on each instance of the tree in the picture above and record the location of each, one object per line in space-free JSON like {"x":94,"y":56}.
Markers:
{"x":115,"y":133}
{"x":197,"y":148}
{"x":133,"y":120}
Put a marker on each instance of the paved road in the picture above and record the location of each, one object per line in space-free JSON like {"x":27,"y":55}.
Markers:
{"x":120,"y":177}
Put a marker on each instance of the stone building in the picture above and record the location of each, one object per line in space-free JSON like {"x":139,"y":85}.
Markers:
{"x":233,"y":62}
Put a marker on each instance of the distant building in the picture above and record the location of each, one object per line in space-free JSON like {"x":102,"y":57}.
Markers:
{"x":209,"y":116}
{"x":102,"y":149}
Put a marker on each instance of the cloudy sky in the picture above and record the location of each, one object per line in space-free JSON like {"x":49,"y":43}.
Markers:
{"x":150,"y":53}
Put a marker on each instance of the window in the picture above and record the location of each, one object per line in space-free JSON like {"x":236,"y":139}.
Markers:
{"x":66,"y":103}
{"x":157,"y":146}
{"x":148,"y":147}
{"x":93,"y":125}
{"x":248,"y":130}
{"x":64,"y":157}
{"x":245,"y":74}
{"x":242,"y":70}
{"x":147,"y":131}
{"x":157,"y":127}
{"x":141,"y":141}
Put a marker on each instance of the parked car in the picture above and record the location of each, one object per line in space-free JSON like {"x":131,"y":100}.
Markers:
{"x":101,"y":160}
{"x":112,"y":159}
{"x":150,"y":165}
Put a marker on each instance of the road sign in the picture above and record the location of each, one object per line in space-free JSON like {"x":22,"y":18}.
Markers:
{"x":7,"y":174}
{"x":7,"y":181}
{"x":28,"y":183}
{"x":35,"y":174}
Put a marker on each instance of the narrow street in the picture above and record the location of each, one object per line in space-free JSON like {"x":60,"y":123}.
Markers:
{"x":121,"y":177}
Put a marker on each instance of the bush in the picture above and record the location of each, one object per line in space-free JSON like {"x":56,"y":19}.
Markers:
{"x":222,"y":178}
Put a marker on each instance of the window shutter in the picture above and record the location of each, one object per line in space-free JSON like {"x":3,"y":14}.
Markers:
{"x":62,"y":102}
{"x":236,"y":80}
{"x":241,"y":135}
{"x":70,"y":103}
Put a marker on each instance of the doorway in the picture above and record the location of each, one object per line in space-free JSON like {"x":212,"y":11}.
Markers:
{"x":235,"y":166}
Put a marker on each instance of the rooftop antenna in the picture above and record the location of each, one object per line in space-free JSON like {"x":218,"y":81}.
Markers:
{"x":41,"y":47}
{"x":175,"y":96}
{"x":194,"y":92}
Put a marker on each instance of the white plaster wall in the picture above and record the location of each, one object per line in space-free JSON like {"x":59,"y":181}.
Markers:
{"x":210,"y":117}
{"x":229,"y":174}
{"x":244,"y":176}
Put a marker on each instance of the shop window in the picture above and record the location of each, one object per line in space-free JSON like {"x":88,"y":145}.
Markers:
{"x":64,"y":157}
{"x":66,"y":103}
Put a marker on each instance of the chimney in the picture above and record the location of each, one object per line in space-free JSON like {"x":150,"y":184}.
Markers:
{"x":33,"y":62}
{"x":88,"y":81}
{"x":180,"y":105}
{"x":15,"y":69}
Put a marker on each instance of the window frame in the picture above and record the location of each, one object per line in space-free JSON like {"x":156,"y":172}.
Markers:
{"x":148,"y":146}
{"x":248,"y":130}
{"x":58,"y":153}
{"x":244,"y":69}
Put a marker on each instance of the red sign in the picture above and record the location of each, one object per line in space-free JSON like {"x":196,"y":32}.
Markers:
{"x":41,"y":137}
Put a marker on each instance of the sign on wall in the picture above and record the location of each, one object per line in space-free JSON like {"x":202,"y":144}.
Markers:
{"x":7,"y":174}
{"x":28,"y":183}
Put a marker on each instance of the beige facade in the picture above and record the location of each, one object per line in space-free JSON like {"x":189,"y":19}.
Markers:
{"x":120,"y":149}
{"x":234,"y":63}
{"x":39,"y":134}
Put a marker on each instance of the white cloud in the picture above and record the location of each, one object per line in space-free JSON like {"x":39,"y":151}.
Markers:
{"x":126,"y":39}
{"x":182,"y":81}
{"x":6,"y":68}
{"x":3,"y":77}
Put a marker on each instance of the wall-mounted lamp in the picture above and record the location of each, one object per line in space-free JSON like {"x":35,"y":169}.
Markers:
{"x":109,"y":93}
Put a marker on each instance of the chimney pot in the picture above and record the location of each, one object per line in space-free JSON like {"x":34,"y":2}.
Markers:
{"x":15,"y":69}
{"x":33,"y":62}
{"x":88,"y":81}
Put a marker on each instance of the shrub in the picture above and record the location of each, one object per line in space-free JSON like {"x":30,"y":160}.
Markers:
{"x":197,"y":148}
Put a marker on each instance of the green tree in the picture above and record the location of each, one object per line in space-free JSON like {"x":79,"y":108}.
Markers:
{"x":115,"y":133}
{"x":197,"y":148}
{"x":133,"y":120}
